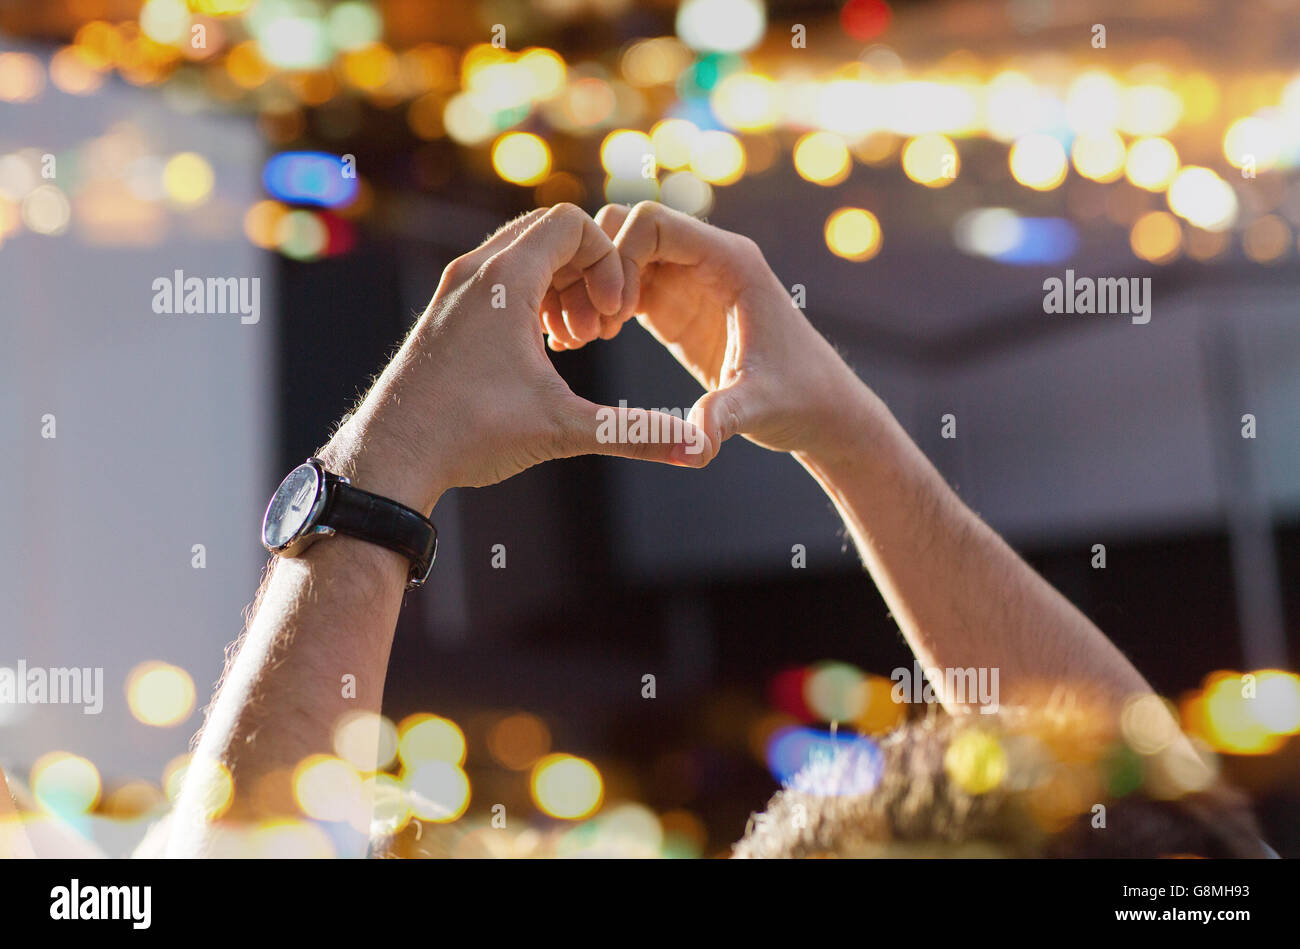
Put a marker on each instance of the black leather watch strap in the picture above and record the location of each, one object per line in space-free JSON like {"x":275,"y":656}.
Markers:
{"x":381,"y":521}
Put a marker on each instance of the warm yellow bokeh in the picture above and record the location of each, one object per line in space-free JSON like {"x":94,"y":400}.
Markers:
{"x":822,"y":158}
{"x":160,"y":694}
{"x":931,"y":160}
{"x":567,"y":787}
{"x":1099,"y":156}
{"x":853,"y":233}
{"x":521,"y":158}
{"x":425,"y":737}
{"x":1156,"y":236}
{"x":975,"y":762}
{"x":1151,"y":163}
{"x":718,"y":157}
{"x":188,"y":179}
{"x":1038,"y":161}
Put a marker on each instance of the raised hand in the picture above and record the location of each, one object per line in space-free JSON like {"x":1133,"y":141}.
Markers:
{"x":472,"y":398}
{"x":711,"y":299}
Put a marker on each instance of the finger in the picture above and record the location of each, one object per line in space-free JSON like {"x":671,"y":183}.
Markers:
{"x":634,"y":433}
{"x":611,"y":218}
{"x":580,"y":318}
{"x":562,"y":242}
{"x":722,"y":413}
{"x":503,"y":237}
{"x":556,"y":332}
{"x":610,"y":325}
{"x":652,"y":233}
{"x":550,"y":305}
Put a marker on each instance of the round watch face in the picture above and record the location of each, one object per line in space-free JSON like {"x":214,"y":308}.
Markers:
{"x":291,"y":507}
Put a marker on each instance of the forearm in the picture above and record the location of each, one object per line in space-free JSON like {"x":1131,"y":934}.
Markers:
{"x":316,"y":648}
{"x":961,"y":596}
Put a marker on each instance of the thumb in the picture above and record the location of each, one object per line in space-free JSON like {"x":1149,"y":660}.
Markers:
{"x":591,"y":429}
{"x":721,"y":413}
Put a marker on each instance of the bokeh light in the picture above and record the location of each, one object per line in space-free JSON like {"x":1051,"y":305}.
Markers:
{"x":518,"y":740}
{"x":160,"y":694}
{"x":673,"y":140}
{"x":65,"y":784}
{"x":747,"y":102}
{"x":628,"y":154}
{"x":1149,"y":109}
{"x":262,"y":223}
{"x":45,"y":210}
{"x":822,"y":158}
{"x":865,"y":19}
{"x":437,"y":791}
{"x":546,"y":72}
{"x":721,"y":26}
{"x":521,"y":158}
{"x":823,"y":763}
{"x":352,"y":25}
{"x":425,"y":737}
{"x":833,"y":691}
{"x":75,"y":71}
{"x":566,"y":787}
{"x":188,"y":179}
{"x":1099,"y":156}
{"x":328,"y":789}
{"x":1253,"y":142}
{"x":975,"y":761}
{"x":21,"y":77}
{"x":301,"y":234}
{"x":1151,"y":163}
{"x":687,"y":193}
{"x":1266,"y":240}
{"x":1277,"y":701}
{"x":656,"y":61}
{"x":853,"y":233}
{"x":1200,"y":196}
{"x":314,"y":178}
{"x":717,"y":157}
{"x":1038,"y":161}
{"x":365,"y":740}
{"x":1156,"y":236}
{"x":1228,"y":718}
{"x":931,"y":160}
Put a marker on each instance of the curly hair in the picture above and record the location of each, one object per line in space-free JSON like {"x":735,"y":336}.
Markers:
{"x":910,"y":796}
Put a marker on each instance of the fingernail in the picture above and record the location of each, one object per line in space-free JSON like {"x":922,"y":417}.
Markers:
{"x":687,"y":459}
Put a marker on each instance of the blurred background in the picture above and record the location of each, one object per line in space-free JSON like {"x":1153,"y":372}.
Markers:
{"x":915,"y":169}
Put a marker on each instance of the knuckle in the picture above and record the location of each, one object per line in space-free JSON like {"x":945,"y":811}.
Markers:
{"x":746,"y":247}
{"x":645,"y":211}
{"x":566,"y":210}
{"x":608,"y":211}
{"x":459,"y":270}
{"x":492,"y":271}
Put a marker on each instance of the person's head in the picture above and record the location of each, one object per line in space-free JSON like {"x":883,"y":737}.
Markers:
{"x":1023,"y":785}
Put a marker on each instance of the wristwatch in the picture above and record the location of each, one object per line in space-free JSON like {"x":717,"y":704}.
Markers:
{"x":312,"y":503}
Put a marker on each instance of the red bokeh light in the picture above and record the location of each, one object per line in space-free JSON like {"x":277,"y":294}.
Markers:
{"x":865,"y":19}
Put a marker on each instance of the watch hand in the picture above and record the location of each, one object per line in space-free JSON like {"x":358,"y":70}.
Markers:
{"x":305,"y":493}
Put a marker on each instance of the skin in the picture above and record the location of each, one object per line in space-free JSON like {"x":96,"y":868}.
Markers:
{"x":471,"y":399}
{"x":960,"y":595}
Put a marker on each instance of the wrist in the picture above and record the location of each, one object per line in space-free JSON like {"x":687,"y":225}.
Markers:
{"x":382,"y":462}
{"x":861,"y":438}
{"x":848,"y":420}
